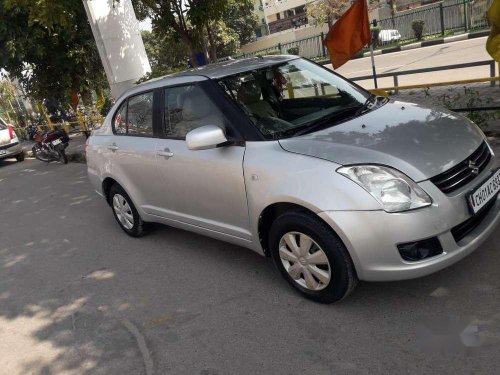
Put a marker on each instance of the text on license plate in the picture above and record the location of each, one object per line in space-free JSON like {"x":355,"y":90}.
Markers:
{"x":56,"y":142}
{"x":485,"y":192}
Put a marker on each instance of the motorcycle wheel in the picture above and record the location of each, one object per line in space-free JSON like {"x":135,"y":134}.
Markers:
{"x":38,"y":155}
{"x":63,"y":157}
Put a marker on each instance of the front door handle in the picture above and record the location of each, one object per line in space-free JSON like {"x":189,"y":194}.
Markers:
{"x":113,"y":147}
{"x":165,"y":153}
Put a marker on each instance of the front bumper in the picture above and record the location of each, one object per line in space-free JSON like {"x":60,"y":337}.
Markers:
{"x":372,"y":236}
{"x":12,"y":150}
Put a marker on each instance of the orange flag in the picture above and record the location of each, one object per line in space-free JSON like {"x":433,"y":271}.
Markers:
{"x":349,"y":34}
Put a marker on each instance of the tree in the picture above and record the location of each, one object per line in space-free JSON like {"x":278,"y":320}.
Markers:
{"x":49,"y":47}
{"x":326,"y":11}
{"x":187,"y":19}
{"x":240,"y":17}
{"x":214,"y":27}
{"x":166,"y":54}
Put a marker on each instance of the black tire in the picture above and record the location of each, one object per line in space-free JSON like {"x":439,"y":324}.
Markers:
{"x":20,"y":157}
{"x":138,"y":228}
{"x":343,"y":274}
{"x":63,"y":157}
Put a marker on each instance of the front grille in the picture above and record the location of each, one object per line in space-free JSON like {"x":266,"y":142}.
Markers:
{"x":462,"y":174}
{"x":463,"y":229}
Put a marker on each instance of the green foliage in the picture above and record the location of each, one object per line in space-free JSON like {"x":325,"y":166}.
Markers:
{"x":293,"y":50}
{"x":49,"y":47}
{"x":240,"y":18}
{"x":166,"y":54}
{"x":375,"y":33}
{"x":321,"y":12}
{"x":418,"y":28}
{"x":216,"y":27}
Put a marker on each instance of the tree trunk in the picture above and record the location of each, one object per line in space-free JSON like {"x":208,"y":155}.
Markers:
{"x":86,"y":95}
{"x":213,"y":45}
{"x":192,"y":54}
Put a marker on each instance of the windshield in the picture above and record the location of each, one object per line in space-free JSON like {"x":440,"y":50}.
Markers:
{"x":289,"y":99}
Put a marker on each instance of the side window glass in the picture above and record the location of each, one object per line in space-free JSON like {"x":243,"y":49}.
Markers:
{"x":188,"y":108}
{"x":140,"y":114}
{"x":120,"y":119}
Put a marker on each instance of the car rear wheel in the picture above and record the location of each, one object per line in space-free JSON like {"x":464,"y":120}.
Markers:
{"x":125,"y":212}
{"x":20,"y":157}
{"x":311,"y":257}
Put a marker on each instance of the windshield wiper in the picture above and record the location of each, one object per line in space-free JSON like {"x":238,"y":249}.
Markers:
{"x":339,"y":115}
{"x":370,"y":103}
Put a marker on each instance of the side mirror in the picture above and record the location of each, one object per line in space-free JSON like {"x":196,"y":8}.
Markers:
{"x":205,"y":137}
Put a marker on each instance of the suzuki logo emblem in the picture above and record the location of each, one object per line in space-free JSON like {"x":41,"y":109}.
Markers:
{"x":473,"y":168}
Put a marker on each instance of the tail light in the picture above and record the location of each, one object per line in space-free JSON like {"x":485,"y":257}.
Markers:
{"x":11,"y":132}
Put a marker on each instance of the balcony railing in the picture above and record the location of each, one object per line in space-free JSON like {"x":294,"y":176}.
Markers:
{"x":288,"y":23}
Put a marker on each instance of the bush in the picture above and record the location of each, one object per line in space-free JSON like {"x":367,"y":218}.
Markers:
{"x":293,"y":50}
{"x":418,"y":28}
{"x":375,"y":34}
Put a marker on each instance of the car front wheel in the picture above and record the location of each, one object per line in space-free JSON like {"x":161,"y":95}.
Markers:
{"x":311,"y":257}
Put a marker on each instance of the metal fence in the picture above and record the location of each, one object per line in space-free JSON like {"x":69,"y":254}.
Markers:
{"x":395,"y":75}
{"x":440,"y":19}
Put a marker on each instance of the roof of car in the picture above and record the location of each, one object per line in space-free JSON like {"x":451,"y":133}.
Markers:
{"x":212,"y":71}
{"x":231,"y":67}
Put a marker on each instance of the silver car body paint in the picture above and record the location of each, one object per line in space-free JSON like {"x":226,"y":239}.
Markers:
{"x":419,"y":141}
{"x":222,"y":192}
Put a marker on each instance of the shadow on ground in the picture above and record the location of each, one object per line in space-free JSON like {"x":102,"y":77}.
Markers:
{"x":77,"y":296}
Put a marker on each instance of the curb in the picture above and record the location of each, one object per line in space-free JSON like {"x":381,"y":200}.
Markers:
{"x":426,"y":43}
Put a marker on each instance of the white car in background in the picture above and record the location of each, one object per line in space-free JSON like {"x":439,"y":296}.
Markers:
{"x":9,"y":143}
{"x":389,"y":36}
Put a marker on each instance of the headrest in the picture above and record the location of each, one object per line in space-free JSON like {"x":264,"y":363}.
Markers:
{"x":196,"y":105}
{"x":249,"y":92}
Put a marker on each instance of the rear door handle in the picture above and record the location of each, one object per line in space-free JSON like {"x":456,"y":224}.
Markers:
{"x":166,"y":153}
{"x":113,"y":147}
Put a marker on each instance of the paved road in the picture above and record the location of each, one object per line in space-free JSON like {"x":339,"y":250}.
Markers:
{"x":444,"y":54}
{"x":77,"y":296}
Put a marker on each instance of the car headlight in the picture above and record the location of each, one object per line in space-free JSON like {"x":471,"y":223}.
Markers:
{"x":395,"y":191}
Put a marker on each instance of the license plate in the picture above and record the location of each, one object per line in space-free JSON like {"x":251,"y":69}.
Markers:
{"x":3,"y":152}
{"x":484,"y":193}
{"x":56,"y":142}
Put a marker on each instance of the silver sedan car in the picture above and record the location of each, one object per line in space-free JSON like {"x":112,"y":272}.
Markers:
{"x":287,"y":158}
{"x":10,"y":146}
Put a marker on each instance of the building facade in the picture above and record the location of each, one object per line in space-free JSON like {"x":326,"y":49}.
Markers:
{"x":262,"y":28}
{"x":283,"y":15}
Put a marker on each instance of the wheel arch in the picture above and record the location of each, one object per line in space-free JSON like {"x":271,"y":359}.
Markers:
{"x":271,"y":213}
{"x":106,"y":187}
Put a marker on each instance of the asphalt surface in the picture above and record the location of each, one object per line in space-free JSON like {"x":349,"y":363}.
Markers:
{"x":77,"y":296}
{"x":465,"y":51}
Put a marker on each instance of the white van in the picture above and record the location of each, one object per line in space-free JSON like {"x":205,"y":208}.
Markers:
{"x":389,"y":36}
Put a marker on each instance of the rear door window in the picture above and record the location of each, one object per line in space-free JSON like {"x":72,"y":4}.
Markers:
{"x":135,"y":116}
{"x":140,"y":115}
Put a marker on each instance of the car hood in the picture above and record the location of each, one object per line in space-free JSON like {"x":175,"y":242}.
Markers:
{"x":420,"y":142}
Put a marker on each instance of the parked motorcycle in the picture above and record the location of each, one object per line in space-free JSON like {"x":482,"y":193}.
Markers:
{"x":31,"y":130}
{"x":51,"y":146}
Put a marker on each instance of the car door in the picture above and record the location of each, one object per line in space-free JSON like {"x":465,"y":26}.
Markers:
{"x":132,"y":148}
{"x":204,"y":188}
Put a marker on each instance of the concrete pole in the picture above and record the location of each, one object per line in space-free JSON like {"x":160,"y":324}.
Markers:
{"x":118,"y":38}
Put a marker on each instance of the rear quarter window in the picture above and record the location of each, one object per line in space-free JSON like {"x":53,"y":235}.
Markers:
{"x":3,"y":124}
